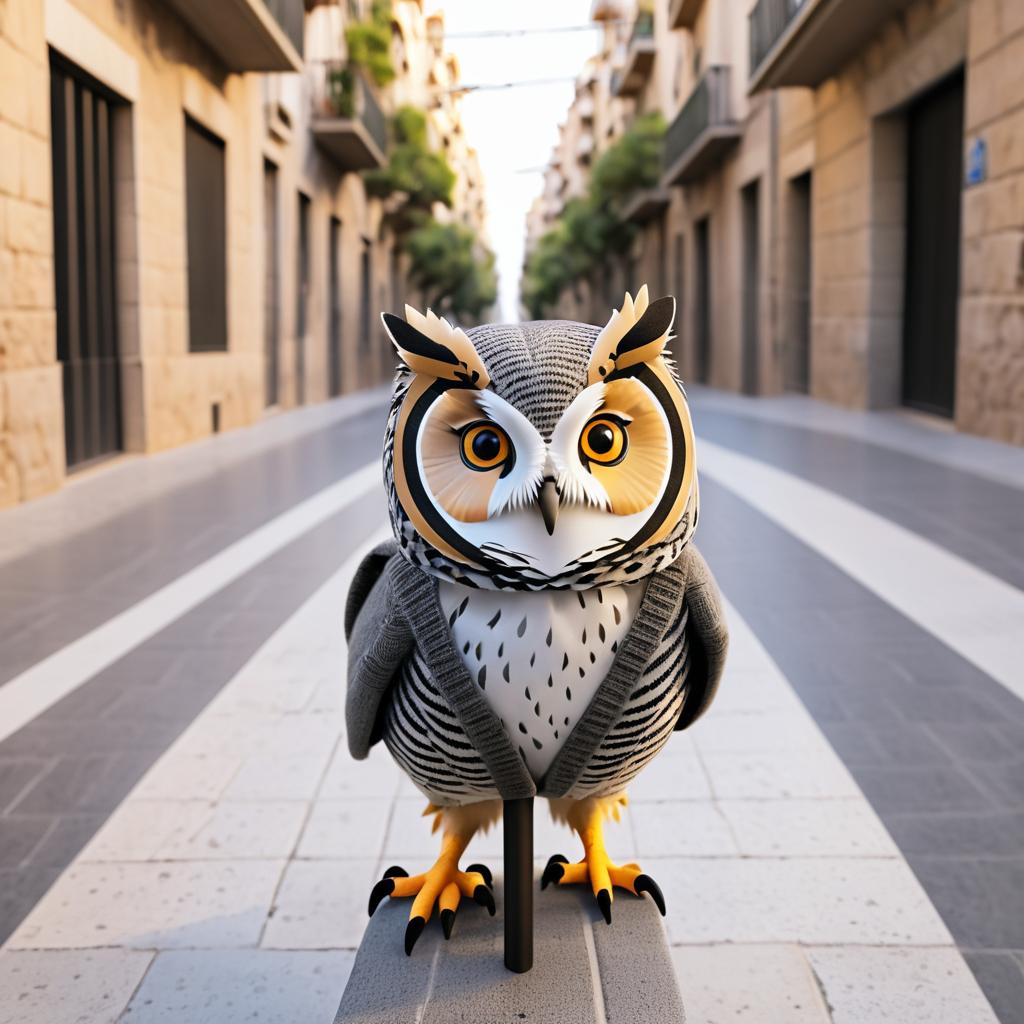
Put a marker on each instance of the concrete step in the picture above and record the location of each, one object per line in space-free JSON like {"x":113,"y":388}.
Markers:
{"x":585,"y":972}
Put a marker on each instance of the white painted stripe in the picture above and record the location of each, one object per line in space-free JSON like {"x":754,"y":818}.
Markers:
{"x":975,"y":613}
{"x":39,"y":687}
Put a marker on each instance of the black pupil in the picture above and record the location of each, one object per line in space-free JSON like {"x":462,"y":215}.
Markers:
{"x":486,"y":445}
{"x":601,"y":439}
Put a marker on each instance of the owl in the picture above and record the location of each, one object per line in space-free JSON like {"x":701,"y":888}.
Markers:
{"x":542,"y":622}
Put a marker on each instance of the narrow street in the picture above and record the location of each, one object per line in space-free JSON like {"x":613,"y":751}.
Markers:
{"x":183,"y":836}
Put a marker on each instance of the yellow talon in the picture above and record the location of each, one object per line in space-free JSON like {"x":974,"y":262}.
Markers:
{"x":444,"y":884}
{"x":587,"y":818}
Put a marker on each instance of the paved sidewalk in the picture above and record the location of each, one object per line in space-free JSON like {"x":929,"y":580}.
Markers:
{"x":235,"y":875}
{"x":804,"y":833}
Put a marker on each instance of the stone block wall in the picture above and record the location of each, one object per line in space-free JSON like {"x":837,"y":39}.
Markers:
{"x":990,"y":356}
{"x":859,"y":215}
{"x":31,"y":423}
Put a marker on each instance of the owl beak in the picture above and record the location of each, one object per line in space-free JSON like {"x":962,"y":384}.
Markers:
{"x":548,"y":501}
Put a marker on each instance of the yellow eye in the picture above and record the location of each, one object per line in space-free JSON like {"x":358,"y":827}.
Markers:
{"x":604,"y":441}
{"x":484,"y":446}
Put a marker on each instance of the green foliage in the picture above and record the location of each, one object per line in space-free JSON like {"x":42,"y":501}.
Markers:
{"x":424,"y":176}
{"x":341,"y":91}
{"x":455,"y":273}
{"x":369,"y":43}
{"x":633,"y":162}
{"x":591,"y":227}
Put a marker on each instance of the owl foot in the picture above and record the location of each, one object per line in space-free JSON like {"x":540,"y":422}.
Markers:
{"x":444,"y":884}
{"x":604,"y":877}
{"x":587,"y":817}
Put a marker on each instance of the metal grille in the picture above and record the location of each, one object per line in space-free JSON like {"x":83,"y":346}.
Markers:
{"x":768,"y":21}
{"x":339,"y":90}
{"x":207,"y":238}
{"x":290,"y":15}
{"x":85,"y":263}
{"x":707,"y":107}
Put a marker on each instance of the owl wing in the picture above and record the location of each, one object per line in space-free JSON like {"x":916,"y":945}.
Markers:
{"x":379,"y":641}
{"x":707,"y":634}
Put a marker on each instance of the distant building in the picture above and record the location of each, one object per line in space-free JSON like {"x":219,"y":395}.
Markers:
{"x":184,"y":238}
{"x":841,"y":206}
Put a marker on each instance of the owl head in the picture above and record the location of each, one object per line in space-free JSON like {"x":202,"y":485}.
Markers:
{"x":539,"y":455}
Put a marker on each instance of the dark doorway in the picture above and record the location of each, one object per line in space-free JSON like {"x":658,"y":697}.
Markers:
{"x":334,"y":297}
{"x":85,"y":262}
{"x":797,"y":367}
{"x":935,"y":134}
{"x":679,"y":292}
{"x":368,"y":371}
{"x":751,"y":208}
{"x":702,"y":301}
{"x":302,"y":300}
{"x":271,"y":284}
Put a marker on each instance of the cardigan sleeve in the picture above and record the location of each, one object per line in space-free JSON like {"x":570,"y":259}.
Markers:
{"x":379,"y":641}
{"x":707,"y":634}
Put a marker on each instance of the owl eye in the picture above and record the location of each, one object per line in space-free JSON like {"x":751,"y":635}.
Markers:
{"x":604,"y":441}
{"x":484,"y":446}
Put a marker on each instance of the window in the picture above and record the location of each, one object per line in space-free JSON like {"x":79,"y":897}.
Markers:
{"x":302,"y":285}
{"x":365,"y":297}
{"x":206,"y":231}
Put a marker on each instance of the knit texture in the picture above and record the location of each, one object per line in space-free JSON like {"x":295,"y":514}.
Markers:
{"x":538,"y":367}
{"x":393,"y":608}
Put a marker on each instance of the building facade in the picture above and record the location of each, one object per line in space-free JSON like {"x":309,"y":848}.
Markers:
{"x":841,"y":204}
{"x":185,"y":238}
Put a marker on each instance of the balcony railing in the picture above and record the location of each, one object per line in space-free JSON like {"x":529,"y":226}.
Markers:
{"x":683,"y":13}
{"x":804,"y":42}
{"x":347,"y":120}
{"x":249,"y":35}
{"x":703,"y":130}
{"x":639,"y":57}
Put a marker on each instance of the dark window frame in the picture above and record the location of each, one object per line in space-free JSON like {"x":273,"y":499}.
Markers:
{"x":206,"y":238}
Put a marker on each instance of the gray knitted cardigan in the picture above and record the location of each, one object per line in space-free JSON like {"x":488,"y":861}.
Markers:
{"x":393,"y":605}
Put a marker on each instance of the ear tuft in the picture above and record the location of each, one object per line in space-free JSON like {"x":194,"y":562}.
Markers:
{"x":652,"y":326}
{"x":430,"y":346}
{"x":635,"y":334}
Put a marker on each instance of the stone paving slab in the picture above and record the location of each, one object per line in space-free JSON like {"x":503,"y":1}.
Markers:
{"x":232,"y":880}
{"x":584,"y":972}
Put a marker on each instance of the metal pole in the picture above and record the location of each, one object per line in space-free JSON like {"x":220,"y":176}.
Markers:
{"x":519,"y":885}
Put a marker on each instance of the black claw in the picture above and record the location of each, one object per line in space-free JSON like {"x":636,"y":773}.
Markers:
{"x":484,"y":870}
{"x":604,"y":901}
{"x":395,"y":872}
{"x":447,"y":921}
{"x":413,"y":932}
{"x":552,"y":873}
{"x":485,"y":898}
{"x":385,"y":887}
{"x":644,"y":883}
{"x":557,"y":858}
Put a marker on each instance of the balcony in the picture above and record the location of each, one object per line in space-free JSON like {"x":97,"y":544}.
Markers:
{"x":702,"y":133}
{"x":683,"y":13}
{"x":249,"y":35}
{"x":804,"y":42}
{"x":639,"y":57}
{"x":347,"y":123}
{"x":645,"y":204}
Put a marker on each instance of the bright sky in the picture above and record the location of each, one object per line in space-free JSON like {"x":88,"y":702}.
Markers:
{"x":515,"y":129}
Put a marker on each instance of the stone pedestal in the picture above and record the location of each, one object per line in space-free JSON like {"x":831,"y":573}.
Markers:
{"x":585,"y":972}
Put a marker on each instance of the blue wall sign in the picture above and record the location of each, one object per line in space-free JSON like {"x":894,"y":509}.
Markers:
{"x":977,"y":162}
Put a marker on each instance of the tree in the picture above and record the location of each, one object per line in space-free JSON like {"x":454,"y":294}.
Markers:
{"x":424,"y":177}
{"x":591,"y":228}
{"x":369,"y":43}
{"x":454,"y":271}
